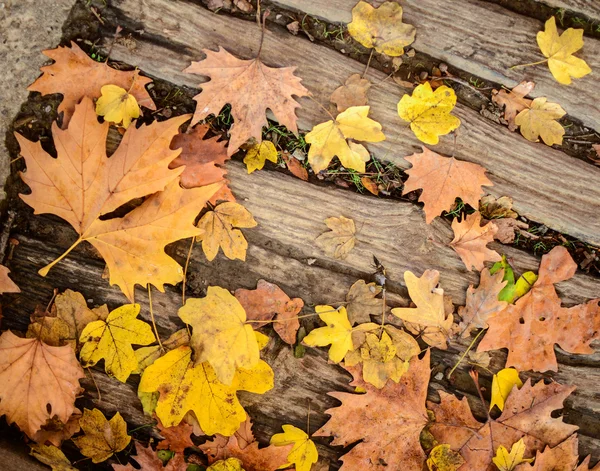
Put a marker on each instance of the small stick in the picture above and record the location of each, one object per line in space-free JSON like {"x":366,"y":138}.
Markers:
{"x":465,"y":353}
{"x":368,"y":63}
{"x":185,"y":270}
{"x":152,"y":317}
{"x":112,"y":44}
{"x":95,"y":384}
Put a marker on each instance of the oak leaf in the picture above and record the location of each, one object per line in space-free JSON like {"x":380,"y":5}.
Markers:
{"x":562,"y":456}
{"x":428,"y":112}
{"x":250,"y":87}
{"x":352,"y":93}
{"x":37,"y":382}
{"x":361,"y":302}
{"x":536,"y":322}
{"x":75,"y":75}
{"x":51,"y":456}
{"x":175,"y":438}
{"x":6,"y":284}
{"x":83,"y":184}
{"x":328,"y":139}
{"x":386,"y":422}
{"x":381,"y":28}
{"x":470,"y":241}
{"x":148,"y":460}
{"x":503,"y":383}
{"x":513,"y":101}
{"x":443,"y":179}
{"x":252,"y":457}
{"x":258,"y":154}
{"x":340,"y":240}
{"x":508,"y":461}
{"x":217,"y":230}
{"x":443,"y":458}
{"x":117,"y":105}
{"x":559,"y":50}
{"x":102,"y":438}
{"x":539,"y":120}
{"x":304,"y":452}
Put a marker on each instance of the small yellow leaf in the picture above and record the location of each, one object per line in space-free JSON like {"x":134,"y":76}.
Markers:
{"x":102,"y":438}
{"x":559,"y":50}
{"x":443,"y":458}
{"x":502,"y":385}
{"x":381,"y":28}
{"x":540,"y":121}
{"x":506,"y":461}
{"x":230,"y":464}
{"x":220,"y":334}
{"x":112,"y":339}
{"x":51,"y":456}
{"x":116,"y":104}
{"x":329,"y":139}
{"x":428,"y":112}
{"x":258,"y":154}
{"x":340,"y":240}
{"x":304,"y":452}
{"x":148,"y":355}
{"x":217,"y":230}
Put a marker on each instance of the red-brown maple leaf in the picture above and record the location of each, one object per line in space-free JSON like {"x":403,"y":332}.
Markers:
{"x":252,"y":457}
{"x":177,"y":438}
{"x":148,"y":460}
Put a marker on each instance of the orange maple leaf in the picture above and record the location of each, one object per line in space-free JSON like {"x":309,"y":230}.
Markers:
{"x":563,"y":456}
{"x":6,"y":284}
{"x":531,"y":327}
{"x":513,"y":101}
{"x":177,"y":438}
{"x":148,"y":460}
{"x":470,"y":240}
{"x":250,"y":87}
{"x":252,"y":458}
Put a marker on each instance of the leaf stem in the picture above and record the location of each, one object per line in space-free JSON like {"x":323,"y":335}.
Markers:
{"x":368,"y":64}
{"x":322,"y":107}
{"x":95,"y":384}
{"x":465,"y":353}
{"x":152,"y":317}
{"x":262,"y":34}
{"x":44,"y":271}
{"x":185,"y":270}
{"x":527,"y":65}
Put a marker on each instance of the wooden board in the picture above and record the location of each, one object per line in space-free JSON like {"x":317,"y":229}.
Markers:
{"x":547,"y":185}
{"x":590,"y":8}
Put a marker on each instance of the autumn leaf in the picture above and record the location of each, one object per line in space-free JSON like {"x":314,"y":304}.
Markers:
{"x":506,"y":461}
{"x":428,"y":112}
{"x":328,"y":139}
{"x":148,"y":355}
{"x":539,"y":120}
{"x":111,"y":340}
{"x":352,"y":93}
{"x":75,"y":75}
{"x":83,"y":184}
{"x":492,"y":208}
{"x":361,"y":302}
{"x":250,"y":87}
{"x":386,"y":422}
{"x":585,"y":465}
{"x":37,"y":382}
{"x":176,"y":438}
{"x":117,"y":105}
{"x":217,"y":231}
{"x":503,"y":383}
{"x":443,"y":458}
{"x":443,"y":179}
{"x":340,"y":240}
{"x":51,"y":456}
{"x":252,"y":457}
{"x":536,"y":322}
{"x":513,"y":101}
{"x":304,"y":452}
{"x":381,"y":28}
{"x":258,"y":154}
{"x":294,"y":166}
{"x":559,"y":50}
{"x":230,"y":464}
{"x":102,"y":438}
{"x":54,"y":431}
{"x":6,"y":284}
{"x":49,"y":329}
{"x":470,"y":241}
{"x":148,"y":460}
{"x":562,"y":456}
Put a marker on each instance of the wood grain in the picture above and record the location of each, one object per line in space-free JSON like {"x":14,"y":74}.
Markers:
{"x":590,"y":8}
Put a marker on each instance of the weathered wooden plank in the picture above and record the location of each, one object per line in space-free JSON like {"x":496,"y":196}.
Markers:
{"x":546,"y":185}
{"x":486,"y":42}
{"x":590,"y":8}
{"x":15,"y":457}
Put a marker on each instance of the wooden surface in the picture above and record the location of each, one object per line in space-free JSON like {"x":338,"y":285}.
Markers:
{"x":590,"y":8}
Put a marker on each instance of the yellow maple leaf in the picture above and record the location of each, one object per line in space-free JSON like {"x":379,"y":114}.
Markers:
{"x":112,"y":339}
{"x":329,"y":139}
{"x":506,"y":461}
{"x":502,"y":384}
{"x":381,"y":28}
{"x":220,"y":334}
{"x":443,"y":458}
{"x":217,"y":230}
{"x":117,"y":105}
{"x":258,"y":154}
{"x":230,"y":464}
{"x":340,"y":240}
{"x":559,"y":50}
{"x":304,"y":452}
{"x":51,"y":456}
{"x":428,"y":112}
{"x":102,"y":438}
{"x":539,"y":120}
{"x":145,"y":356}
{"x":186,"y":387}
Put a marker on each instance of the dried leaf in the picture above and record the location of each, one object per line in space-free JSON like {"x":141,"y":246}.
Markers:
{"x":480,"y":359}
{"x":492,"y":208}
{"x":539,"y":120}
{"x":55,"y":432}
{"x":562,"y":456}
{"x":513,"y":101}
{"x":340,"y":240}
{"x":352,"y":93}
{"x":148,"y":355}
{"x":148,"y":460}
{"x":304,"y":452}
{"x":470,"y":241}
{"x":506,"y":228}
{"x":176,"y":438}
{"x":294,"y":166}
{"x":442,"y":458}
{"x":230,"y":464}
{"x":117,"y":105}
{"x":361,"y":302}
{"x":506,"y":461}
{"x":71,"y":307}
{"x":252,"y":458}
{"x":503,"y":383}
{"x":6,"y":284}
{"x":102,"y":438}
{"x":585,"y":465}
{"x":370,"y":185}
{"x":51,"y":456}
{"x":258,"y":154}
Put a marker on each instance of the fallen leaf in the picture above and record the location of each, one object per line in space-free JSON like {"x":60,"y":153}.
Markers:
{"x":75,"y":75}
{"x":443,"y":179}
{"x":148,"y":355}
{"x":230,"y":464}
{"x":111,"y":340}
{"x":51,"y":456}
{"x":55,"y":432}
{"x":352,"y":93}
{"x":294,"y":166}
{"x":304,"y":452}
{"x":37,"y":382}
{"x":480,"y":359}
{"x":381,"y":28}
{"x":293,"y":27}
{"x":559,"y":50}
{"x":492,"y":208}
{"x":244,"y":434}
{"x":117,"y":105}
{"x":49,"y":329}
{"x":72,"y":308}
{"x":428,"y":112}
{"x":506,"y":228}
{"x":217,"y":231}
{"x":340,"y":240}
{"x":470,"y":241}
{"x":252,"y":458}
{"x":83,"y":184}
{"x":370,"y":185}
{"x":361,"y":302}
{"x":442,"y":458}
{"x":175,"y":438}
{"x":258,"y":154}
{"x":6,"y":284}
{"x":102,"y":438}
{"x":148,"y":460}
{"x":536,"y":322}
{"x":506,"y":461}
{"x":539,"y":120}
{"x":562,"y":456}
{"x":328,"y":139}
{"x":386,"y":422}
{"x":585,"y":465}
{"x":513,"y":101}
{"x":250,"y":87}
{"x":502,"y":385}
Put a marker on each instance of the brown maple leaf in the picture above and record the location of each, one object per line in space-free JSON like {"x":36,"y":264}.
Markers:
{"x":352,"y":93}
{"x":470,"y":240}
{"x":6,"y":284}
{"x":204,"y":161}
{"x":55,"y":432}
{"x":37,"y":382}
{"x":250,"y":87}
{"x":148,"y":460}
{"x":82,"y":184}
{"x":294,"y":166}
{"x":563,"y":456}
{"x":585,"y":465}
{"x":177,"y":438}
{"x":386,"y":422}
{"x":443,"y":179}
{"x":361,"y":302}
{"x":527,"y":414}
{"x":268,"y":301}
{"x":536,"y":322}
{"x":513,"y":101}
{"x":252,"y":457}
{"x":75,"y":75}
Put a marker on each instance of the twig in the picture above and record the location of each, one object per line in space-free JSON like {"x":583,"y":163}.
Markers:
{"x":368,"y":63}
{"x":465,"y":353}
{"x":112,"y":44}
{"x":152,"y":317}
{"x":95,"y":384}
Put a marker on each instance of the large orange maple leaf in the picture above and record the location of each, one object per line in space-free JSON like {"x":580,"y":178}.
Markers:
{"x":252,"y":457}
{"x":82,"y":184}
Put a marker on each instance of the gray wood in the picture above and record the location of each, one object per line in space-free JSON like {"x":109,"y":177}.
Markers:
{"x":590,"y":8}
